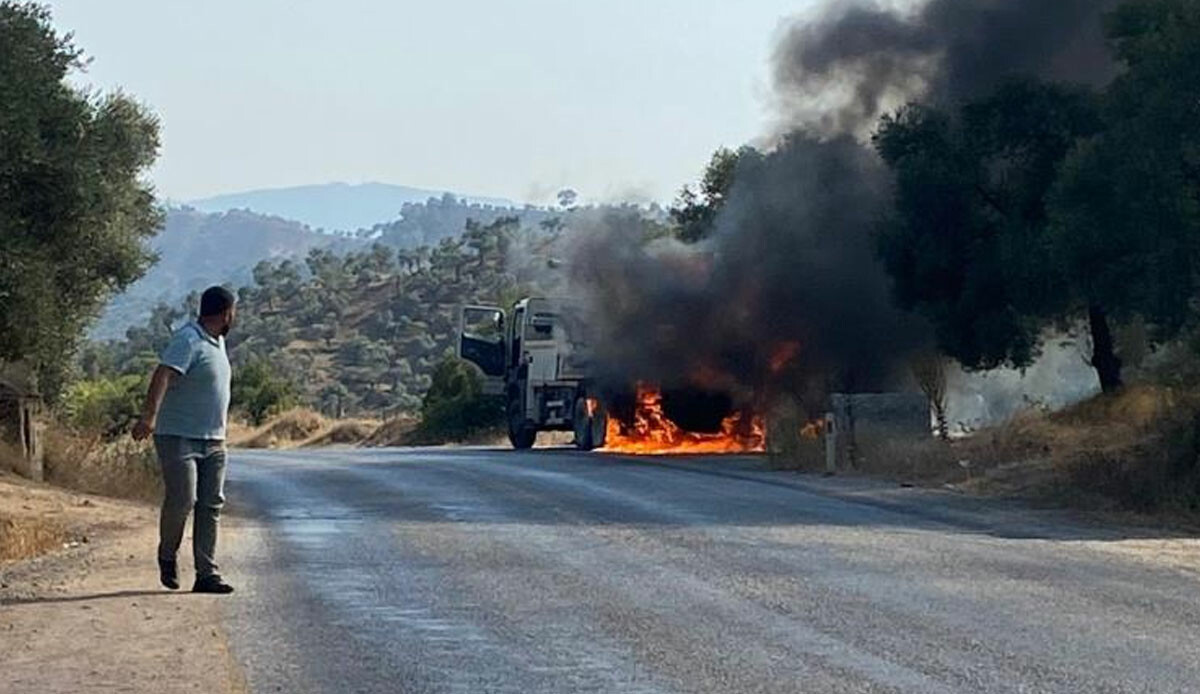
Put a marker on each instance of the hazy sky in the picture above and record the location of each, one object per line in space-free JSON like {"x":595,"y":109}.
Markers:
{"x":616,"y":98}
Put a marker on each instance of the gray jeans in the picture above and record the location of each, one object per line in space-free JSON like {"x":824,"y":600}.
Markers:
{"x":194,"y":478}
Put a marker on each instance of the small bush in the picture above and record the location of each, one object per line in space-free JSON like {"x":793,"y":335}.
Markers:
{"x":454,"y":407}
{"x":109,"y":406}
{"x":260,"y":393}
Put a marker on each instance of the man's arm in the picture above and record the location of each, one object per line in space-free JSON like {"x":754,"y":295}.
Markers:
{"x":159,"y":382}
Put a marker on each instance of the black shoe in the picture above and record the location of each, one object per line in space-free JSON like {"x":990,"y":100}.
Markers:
{"x":168,"y":573}
{"x":212,"y":584}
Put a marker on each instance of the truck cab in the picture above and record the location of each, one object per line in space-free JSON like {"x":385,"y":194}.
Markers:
{"x":536,"y":356}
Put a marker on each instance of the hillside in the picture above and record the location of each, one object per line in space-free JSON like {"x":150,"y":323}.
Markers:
{"x":357,"y":332}
{"x":334,"y":206}
{"x":197,"y":249}
{"x":363,"y":332}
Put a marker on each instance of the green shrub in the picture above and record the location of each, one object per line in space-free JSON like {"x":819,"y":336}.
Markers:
{"x":259,"y":392}
{"x":107,"y":405}
{"x":454,"y":407}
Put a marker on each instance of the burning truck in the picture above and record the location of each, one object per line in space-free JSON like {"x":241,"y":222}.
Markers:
{"x":537,"y":355}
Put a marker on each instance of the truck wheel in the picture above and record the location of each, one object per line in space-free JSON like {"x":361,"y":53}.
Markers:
{"x":520,"y":434}
{"x":599,"y":427}
{"x":591,"y":430}
{"x":582,"y":424}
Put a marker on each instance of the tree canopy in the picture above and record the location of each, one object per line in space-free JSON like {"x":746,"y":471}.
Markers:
{"x":695,"y":211}
{"x":1126,"y":209}
{"x":965,"y":243}
{"x":75,"y":210}
{"x":1046,"y":204}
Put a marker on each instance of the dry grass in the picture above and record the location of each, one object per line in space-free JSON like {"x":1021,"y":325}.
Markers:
{"x":288,"y":429}
{"x":32,"y":516}
{"x":303,"y":427}
{"x":484,"y":437}
{"x":348,"y":432}
{"x":87,"y":463}
{"x":1135,"y":450}
{"x":392,"y":432}
{"x":402,"y":431}
{"x":22,"y":538}
{"x":10,"y":459}
{"x":238,"y":430}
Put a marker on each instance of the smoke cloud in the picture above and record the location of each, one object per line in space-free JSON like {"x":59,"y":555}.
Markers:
{"x":788,"y":293}
{"x":839,"y":72}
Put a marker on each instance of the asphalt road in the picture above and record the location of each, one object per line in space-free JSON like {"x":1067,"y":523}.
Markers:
{"x":554,"y":571}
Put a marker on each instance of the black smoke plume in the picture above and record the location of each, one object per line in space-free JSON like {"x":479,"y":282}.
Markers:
{"x":840,"y":71}
{"x":788,"y":293}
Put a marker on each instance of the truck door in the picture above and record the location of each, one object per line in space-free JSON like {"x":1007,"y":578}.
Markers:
{"x":481,"y":342}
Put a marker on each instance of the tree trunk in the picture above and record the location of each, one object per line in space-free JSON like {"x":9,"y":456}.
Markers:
{"x":1104,"y":358}
{"x":943,"y":427}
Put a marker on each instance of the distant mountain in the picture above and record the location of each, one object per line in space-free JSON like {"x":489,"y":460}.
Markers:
{"x":333,"y":206}
{"x":198,"y":249}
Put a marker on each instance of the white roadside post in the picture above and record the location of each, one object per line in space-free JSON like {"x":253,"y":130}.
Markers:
{"x":831,"y":435}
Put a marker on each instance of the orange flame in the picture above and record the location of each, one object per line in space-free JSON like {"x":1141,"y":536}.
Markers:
{"x":812,"y":430}
{"x":652,"y":433}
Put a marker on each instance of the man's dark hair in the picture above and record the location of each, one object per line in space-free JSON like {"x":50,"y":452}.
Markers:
{"x":215,"y":300}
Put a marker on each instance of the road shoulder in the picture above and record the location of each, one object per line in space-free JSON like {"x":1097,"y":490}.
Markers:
{"x":90,"y":616}
{"x":1145,"y":540}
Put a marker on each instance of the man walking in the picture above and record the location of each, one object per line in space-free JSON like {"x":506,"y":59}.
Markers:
{"x":186,"y":410}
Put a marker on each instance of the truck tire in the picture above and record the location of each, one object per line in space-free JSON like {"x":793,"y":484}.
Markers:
{"x":591,"y":430}
{"x":600,"y":427}
{"x":520,"y":434}
{"x":581,"y":422}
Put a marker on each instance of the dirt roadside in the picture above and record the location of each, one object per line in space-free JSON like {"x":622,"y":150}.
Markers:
{"x":90,"y":615}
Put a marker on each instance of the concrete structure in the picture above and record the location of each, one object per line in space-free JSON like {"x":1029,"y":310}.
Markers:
{"x":20,"y":428}
{"x":854,"y":427}
{"x":863,"y":420}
